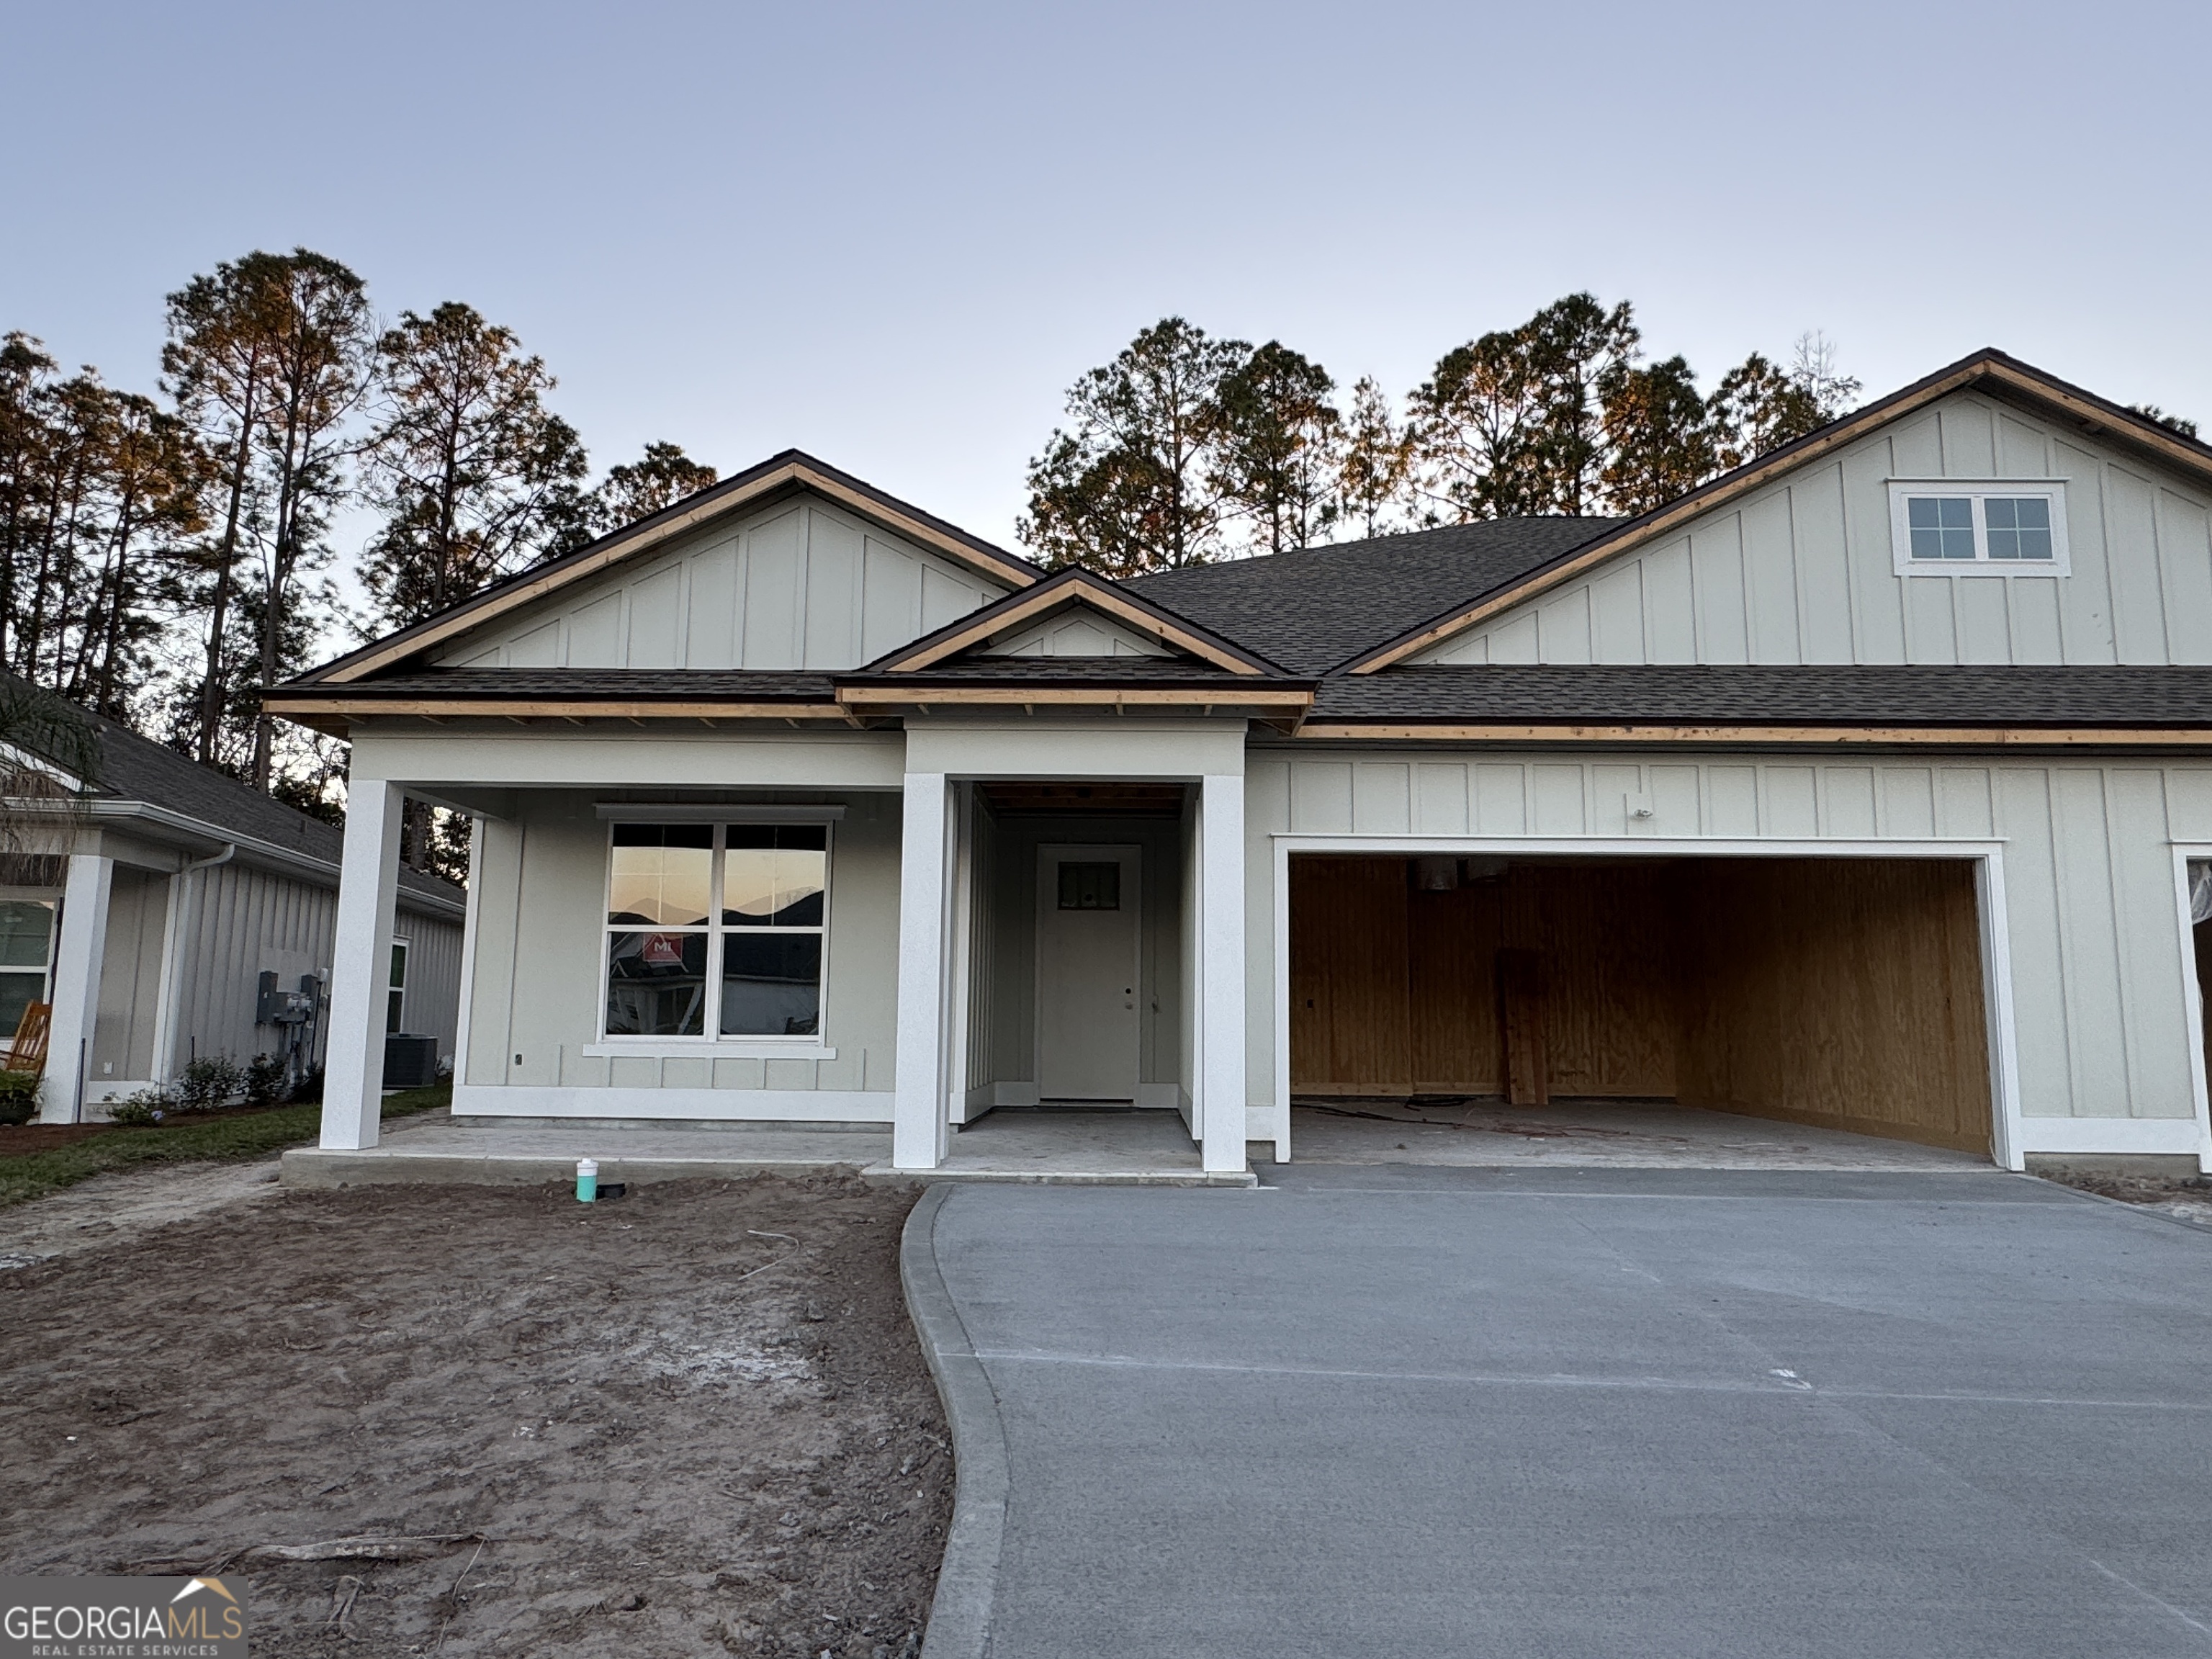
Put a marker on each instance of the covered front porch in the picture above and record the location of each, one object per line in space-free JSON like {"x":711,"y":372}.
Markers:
{"x":865,"y":934}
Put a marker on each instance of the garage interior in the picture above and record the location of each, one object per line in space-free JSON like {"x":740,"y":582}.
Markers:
{"x":1841,"y":993}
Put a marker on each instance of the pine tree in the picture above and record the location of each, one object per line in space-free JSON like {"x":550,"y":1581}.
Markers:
{"x":638,"y":489}
{"x":318,"y":377}
{"x":1659,"y":436}
{"x":1128,"y":488}
{"x":475,"y":477}
{"x":1276,"y":460}
{"x":1373,"y":463}
{"x":1511,"y":424}
{"x":224,"y":334}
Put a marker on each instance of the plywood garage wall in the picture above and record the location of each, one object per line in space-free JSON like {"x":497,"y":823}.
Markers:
{"x":1841,"y":992}
{"x":1351,"y":1029}
{"x":1844,"y":992}
{"x":1392,"y":989}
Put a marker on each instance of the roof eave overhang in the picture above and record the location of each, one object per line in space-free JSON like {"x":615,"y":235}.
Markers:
{"x":1987,"y":370}
{"x":336,"y":714}
{"x":761,"y":487}
{"x":1284,"y":706}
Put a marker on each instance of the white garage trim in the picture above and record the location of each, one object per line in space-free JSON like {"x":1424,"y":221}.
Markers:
{"x":2005,"y":1145}
{"x":2172,"y":1136}
{"x":2184,"y":850}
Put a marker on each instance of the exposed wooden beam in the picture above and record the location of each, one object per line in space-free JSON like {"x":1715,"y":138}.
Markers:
{"x":1101,"y":696}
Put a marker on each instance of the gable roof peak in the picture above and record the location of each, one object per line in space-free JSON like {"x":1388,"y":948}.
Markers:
{"x":787,"y":472}
{"x":1987,"y":368}
{"x":1069,"y":586}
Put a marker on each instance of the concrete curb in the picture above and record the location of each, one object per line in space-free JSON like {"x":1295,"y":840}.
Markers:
{"x":960,"y":1615}
{"x":886,"y":1174}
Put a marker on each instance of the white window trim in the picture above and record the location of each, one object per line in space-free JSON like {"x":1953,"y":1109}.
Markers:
{"x":737,"y":1046}
{"x":625,"y":811}
{"x":1977,"y":490}
{"x":405,"y":945}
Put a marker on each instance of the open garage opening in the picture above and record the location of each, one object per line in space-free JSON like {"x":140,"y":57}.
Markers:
{"x":1839,"y":993}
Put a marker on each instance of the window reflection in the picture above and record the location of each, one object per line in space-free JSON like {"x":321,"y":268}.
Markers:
{"x":771,"y":984}
{"x":657,"y":985}
{"x":773,"y":875}
{"x":662,"y":873}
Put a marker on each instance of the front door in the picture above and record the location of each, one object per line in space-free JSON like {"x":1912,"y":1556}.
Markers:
{"x":1087,"y":979}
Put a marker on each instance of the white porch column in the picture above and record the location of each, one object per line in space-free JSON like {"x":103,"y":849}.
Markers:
{"x":918,"y":1126}
{"x":368,"y":880}
{"x":1220,"y":1103}
{"x":78,"y":955}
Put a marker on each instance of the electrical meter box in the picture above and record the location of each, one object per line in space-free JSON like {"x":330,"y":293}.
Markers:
{"x":280,"y":1007}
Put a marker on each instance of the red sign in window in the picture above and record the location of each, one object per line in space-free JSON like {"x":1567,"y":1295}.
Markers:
{"x":663,"y":950}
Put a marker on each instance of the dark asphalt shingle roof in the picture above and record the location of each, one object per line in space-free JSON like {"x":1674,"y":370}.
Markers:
{"x":131,"y":767}
{"x":1319,"y":606}
{"x":1805,"y":693}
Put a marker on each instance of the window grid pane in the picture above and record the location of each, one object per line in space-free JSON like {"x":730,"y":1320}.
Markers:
{"x":2019,"y":526}
{"x":26,"y":928}
{"x":660,"y":873}
{"x":657,"y":983}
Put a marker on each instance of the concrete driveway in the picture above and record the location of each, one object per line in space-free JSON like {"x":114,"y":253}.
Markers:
{"x":1412,"y":1412}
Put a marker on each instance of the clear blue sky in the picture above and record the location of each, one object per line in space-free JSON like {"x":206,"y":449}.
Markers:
{"x":893,"y":235}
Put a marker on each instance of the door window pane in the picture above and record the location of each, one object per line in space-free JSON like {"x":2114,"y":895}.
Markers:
{"x":656,"y":984}
{"x":26,"y":925}
{"x":661,"y":874}
{"x":771,"y":984}
{"x":1091,"y":886}
{"x":774,"y":874}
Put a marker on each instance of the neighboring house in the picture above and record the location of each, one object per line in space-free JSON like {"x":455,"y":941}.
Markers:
{"x":179,"y":890}
{"x":1860,"y":787}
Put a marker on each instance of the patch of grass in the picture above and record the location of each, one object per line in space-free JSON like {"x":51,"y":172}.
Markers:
{"x":232,"y":1140}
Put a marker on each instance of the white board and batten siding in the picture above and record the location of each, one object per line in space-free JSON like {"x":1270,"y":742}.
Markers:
{"x":1074,"y":632}
{"x":2096,"y":935}
{"x":1802,"y":571}
{"x":798,"y":585}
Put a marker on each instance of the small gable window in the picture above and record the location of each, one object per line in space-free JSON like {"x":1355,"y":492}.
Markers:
{"x":1949,"y":529}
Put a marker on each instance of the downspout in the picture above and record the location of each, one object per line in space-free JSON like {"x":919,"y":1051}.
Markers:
{"x":178,"y":930}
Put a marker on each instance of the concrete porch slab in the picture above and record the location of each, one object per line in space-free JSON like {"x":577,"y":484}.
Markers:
{"x":437,"y":1150}
{"x":1066,"y":1145}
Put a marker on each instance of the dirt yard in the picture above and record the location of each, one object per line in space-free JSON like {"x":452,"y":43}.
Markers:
{"x":690,"y":1421}
{"x":2186,"y":1197}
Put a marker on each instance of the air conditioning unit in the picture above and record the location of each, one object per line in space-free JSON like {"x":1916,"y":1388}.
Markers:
{"x":410,"y":1061}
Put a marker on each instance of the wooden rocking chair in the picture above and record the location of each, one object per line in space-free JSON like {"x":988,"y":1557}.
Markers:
{"x":27,"y":1052}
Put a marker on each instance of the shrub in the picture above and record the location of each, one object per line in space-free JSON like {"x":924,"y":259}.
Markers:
{"x":19,"y":1097}
{"x":209,"y":1082}
{"x":143,"y":1109}
{"x":308,"y":1090}
{"x":264,"y":1080}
